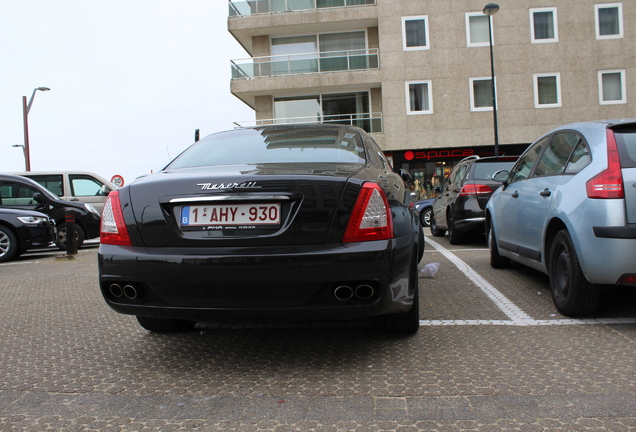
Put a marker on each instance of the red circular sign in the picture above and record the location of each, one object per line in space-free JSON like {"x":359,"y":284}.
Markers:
{"x":117,"y":180}
{"x":409,"y":155}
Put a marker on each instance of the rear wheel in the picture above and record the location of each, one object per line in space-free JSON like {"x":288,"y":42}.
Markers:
{"x":8,"y":244}
{"x":425,"y":216}
{"x":454,"y":236}
{"x":165,"y":325}
{"x":571,"y":291}
{"x":60,"y":241}
{"x":434,"y":230}
{"x":406,"y":322}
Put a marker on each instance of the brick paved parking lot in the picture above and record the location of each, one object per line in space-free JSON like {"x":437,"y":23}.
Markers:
{"x":492,"y":354}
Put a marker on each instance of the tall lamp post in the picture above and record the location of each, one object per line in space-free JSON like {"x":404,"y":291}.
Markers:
{"x":25,"y":112}
{"x":490,"y":9}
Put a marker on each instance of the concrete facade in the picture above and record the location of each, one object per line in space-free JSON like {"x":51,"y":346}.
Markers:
{"x":447,"y":65}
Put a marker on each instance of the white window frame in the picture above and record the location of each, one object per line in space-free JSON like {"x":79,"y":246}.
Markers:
{"x":620,"y":20}
{"x":414,"y":18}
{"x":477,"y":44}
{"x":535,"y":78}
{"x":623,"y":98}
{"x":408,"y":97}
{"x":556,"y":25}
{"x":471,"y":80}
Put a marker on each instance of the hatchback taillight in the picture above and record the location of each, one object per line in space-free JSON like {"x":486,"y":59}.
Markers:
{"x":474,"y":189}
{"x":113,"y":229}
{"x":371,"y":216}
{"x":608,"y":183}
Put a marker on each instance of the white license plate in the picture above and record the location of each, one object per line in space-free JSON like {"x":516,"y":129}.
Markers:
{"x":230,"y":214}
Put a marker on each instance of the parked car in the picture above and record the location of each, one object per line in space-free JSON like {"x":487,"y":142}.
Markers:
{"x":23,"y":193}
{"x":21,"y":230}
{"x":425,"y":208}
{"x":82,"y":186}
{"x":568,"y":209}
{"x":267,"y":223}
{"x":460,"y":206}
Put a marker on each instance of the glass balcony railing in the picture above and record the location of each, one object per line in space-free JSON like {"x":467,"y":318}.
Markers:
{"x":294,"y":64}
{"x":370,"y":122}
{"x":253,"y":7}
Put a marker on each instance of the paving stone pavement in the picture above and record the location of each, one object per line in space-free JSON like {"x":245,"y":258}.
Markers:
{"x":69,"y":363}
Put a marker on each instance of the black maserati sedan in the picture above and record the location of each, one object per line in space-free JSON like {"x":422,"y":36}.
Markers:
{"x":272,"y":223}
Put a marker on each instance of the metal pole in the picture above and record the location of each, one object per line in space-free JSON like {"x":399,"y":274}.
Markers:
{"x":27,"y":156}
{"x":494,"y":93}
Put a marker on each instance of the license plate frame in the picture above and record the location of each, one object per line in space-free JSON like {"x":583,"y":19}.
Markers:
{"x":250,"y":215}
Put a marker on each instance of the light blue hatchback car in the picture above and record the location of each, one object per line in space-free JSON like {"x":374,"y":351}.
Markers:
{"x":568,"y":209}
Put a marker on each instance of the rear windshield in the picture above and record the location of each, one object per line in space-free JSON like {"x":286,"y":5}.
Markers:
{"x":485,"y":170}
{"x":626,"y":142}
{"x":273,"y":145}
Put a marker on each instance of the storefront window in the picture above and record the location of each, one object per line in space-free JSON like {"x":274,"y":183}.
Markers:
{"x":427,"y":176}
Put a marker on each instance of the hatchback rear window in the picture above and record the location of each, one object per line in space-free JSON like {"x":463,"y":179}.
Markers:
{"x":273,"y":145}
{"x":626,"y":142}
{"x":485,"y":170}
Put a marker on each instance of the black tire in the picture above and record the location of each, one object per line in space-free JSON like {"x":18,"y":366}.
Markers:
{"x":406,"y":322}
{"x":8,"y":244}
{"x":455,"y":237}
{"x":571,"y":292}
{"x":496,"y":260}
{"x":434,"y":230}
{"x":60,"y":241}
{"x":425,"y":216}
{"x":421,"y":244}
{"x":165,"y":325}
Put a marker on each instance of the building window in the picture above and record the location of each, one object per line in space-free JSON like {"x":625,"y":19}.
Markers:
{"x":481,"y":94}
{"x":609,"y":20}
{"x":611,"y":87}
{"x":547,"y":90}
{"x":477,"y":29}
{"x":419,"y":98}
{"x":415,"y":33}
{"x":543,"y":25}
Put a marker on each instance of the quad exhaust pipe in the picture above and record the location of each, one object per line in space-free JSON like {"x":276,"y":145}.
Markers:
{"x":129,"y":291}
{"x":346,"y":292}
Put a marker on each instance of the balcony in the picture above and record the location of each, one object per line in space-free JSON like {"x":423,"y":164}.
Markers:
{"x":295,"y":64}
{"x":255,"y":7}
{"x":370,"y":122}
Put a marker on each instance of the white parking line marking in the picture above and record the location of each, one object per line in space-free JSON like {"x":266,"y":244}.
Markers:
{"x":516,"y":315}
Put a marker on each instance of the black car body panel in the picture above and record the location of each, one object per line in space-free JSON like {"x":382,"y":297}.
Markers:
{"x":286,"y":270}
{"x":20,"y":193}
{"x":29,"y":230}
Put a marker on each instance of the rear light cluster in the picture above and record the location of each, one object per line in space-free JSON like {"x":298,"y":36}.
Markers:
{"x":474,"y":189}
{"x":371,"y":216}
{"x":113,"y":230}
{"x":608,"y":183}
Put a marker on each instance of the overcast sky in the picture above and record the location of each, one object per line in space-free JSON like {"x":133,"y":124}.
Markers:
{"x":130,"y":82}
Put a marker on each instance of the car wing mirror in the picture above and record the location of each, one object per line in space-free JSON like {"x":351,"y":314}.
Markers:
{"x":104,"y":191}
{"x":38,"y":198}
{"x":501,"y":176}
{"x":406,"y":176}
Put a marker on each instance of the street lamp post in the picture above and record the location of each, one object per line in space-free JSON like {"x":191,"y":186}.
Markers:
{"x":490,"y":9}
{"x":25,"y":112}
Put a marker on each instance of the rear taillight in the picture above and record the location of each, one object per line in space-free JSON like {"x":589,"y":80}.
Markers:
{"x":628,"y":280}
{"x":113,"y":230}
{"x":608,"y":183}
{"x":474,"y":189}
{"x":371,"y":216}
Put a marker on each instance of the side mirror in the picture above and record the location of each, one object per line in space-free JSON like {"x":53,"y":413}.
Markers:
{"x":104,"y":191}
{"x":501,"y":176}
{"x":38,"y":198}
{"x":406,"y":176}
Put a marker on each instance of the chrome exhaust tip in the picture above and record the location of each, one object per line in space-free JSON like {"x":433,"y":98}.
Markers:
{"x":343,"y":293}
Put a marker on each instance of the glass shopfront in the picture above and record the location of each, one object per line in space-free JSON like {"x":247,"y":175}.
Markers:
{"x":429,"y":167}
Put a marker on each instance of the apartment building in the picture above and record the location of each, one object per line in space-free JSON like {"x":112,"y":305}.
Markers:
{"x":417,"y":74}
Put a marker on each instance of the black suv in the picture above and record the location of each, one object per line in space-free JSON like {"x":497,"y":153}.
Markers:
{"x":460,"y":206}
{"x":22,"y":193}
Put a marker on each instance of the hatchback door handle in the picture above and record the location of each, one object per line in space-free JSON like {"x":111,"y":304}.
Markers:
{"x":546,"y":192}
{"x":515,"y":195}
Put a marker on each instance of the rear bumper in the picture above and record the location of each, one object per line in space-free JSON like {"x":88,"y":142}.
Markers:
{"x":262,"y":283}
